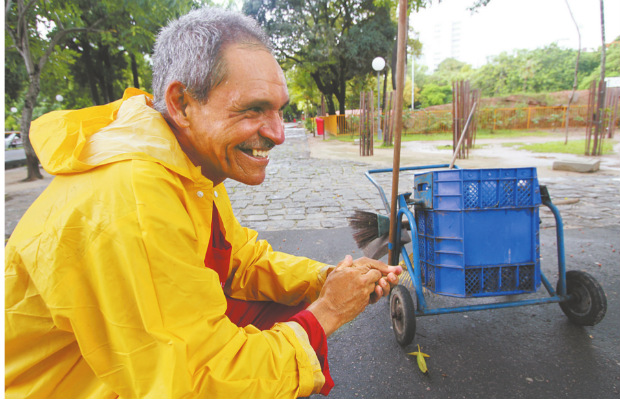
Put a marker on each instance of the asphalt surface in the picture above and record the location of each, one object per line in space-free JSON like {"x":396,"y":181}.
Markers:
{"x":525,"y":352}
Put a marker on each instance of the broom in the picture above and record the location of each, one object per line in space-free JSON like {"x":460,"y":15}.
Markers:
{"x":367,"y":226}
{"x":371,"y":233}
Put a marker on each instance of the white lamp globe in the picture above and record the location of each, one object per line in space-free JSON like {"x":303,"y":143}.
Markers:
{"x":378,"y":64}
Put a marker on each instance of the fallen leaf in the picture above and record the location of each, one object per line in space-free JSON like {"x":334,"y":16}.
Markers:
{"x":420,"y":357}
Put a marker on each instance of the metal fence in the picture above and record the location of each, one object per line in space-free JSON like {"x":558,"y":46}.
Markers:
{"x":421,"y":121}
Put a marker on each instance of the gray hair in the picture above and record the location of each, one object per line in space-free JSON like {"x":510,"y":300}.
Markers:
{"x":189,"y":50}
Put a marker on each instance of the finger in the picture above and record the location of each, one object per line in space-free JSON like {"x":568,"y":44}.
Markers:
{"x":374,"y":298}
{"x":372,"y":276}
{"x":392,"y":278}
{"x":386,"y":289}
{"x":346,"y":262}
{"x":381,"y":266}
{"x":379,"y":291}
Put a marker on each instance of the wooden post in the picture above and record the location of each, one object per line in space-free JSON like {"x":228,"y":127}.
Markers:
{"x":361,"y":122}
{"x":398,"y":115}
{"x":590,"y":116}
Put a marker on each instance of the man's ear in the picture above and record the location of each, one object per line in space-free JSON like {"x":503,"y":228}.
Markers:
{"x":176,"y":102}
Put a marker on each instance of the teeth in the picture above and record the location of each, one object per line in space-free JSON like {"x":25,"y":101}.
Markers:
{"x":260,"y":154}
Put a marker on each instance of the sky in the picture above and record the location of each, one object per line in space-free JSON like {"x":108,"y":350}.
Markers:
{"x":507,"y":25}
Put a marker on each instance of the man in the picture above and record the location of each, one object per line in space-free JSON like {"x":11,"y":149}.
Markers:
{"x":130,"y":276}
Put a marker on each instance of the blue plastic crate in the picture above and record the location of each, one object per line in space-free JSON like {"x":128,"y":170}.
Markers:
{"x":478,"y":231}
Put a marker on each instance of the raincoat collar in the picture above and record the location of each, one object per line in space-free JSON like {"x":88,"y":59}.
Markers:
{"x":74,"y":141}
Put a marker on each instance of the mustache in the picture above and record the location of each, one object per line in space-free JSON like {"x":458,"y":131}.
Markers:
{"x":261,"y":143}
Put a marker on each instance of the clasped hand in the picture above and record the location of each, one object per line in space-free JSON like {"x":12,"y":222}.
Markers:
{"x":349,"y":288}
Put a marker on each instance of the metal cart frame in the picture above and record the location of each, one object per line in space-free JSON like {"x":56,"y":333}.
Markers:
{"x":582,"y":299}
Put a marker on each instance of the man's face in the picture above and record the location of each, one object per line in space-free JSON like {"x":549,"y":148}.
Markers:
{"x":230,"y":135}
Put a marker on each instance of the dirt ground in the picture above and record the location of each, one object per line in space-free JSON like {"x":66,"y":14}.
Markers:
{"x":492,"y":154}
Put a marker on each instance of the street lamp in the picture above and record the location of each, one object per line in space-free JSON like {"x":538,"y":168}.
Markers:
{"x":378,"y":64}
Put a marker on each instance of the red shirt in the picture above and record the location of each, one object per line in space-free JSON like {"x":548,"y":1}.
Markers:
{"x":264,"y":314}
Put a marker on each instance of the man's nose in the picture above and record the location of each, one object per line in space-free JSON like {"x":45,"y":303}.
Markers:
{"x":273,"y":128}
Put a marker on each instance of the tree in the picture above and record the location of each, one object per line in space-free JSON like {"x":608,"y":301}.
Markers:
{"x":332,"y":41}
{"x":593,"y":60}
{"x":572,"y":95}
{"x":36,"y":28}
{"x":600,"y":103}
{"x":450,"y":70}
{"x":302,"y":90}
{"x":82,"y":43}
{"x":433,"y":94}
{"x":531,"y":71}
{"x":110,"y":60}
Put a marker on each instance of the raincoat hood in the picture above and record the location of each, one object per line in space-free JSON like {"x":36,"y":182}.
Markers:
{"x":74,"y":141}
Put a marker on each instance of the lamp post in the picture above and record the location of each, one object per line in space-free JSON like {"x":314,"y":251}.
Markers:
{"x":378,"y":64}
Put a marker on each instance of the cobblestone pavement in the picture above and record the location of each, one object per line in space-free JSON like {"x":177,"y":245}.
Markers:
{"x":301,"y":192}
{"x":304,"y":192}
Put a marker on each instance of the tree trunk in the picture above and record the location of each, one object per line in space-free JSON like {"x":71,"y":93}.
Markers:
{"x":21,"y":39}
{"x":383,"y":95}
{"x":600,"y":112}
{"x":327,"y":91}
{"x":342,"y":93}
{"x":106,"y":85}
{"x":572,"y":94}
{"x":603,"y":49}
{"x":134,"y":71}
{"x":32,"y":161}
{"x":90,"y":70}
{"x":331,"y":107}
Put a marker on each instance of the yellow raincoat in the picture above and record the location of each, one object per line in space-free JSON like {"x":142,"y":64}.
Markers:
{"x":106,"y":290}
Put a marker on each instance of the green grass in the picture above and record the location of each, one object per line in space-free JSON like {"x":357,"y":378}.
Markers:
{"x":503,"y":134}
{"x":481,"y":134}
{"x":576,"y":147}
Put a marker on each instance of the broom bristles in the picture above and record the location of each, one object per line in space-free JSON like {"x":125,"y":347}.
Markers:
{"x":365,"y":227}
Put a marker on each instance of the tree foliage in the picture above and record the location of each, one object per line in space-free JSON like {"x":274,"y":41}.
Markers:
{"x":65,"y":47}
{"x":433,"y":94}
{"x":332,"y":41}
{"x":35,"y":30}
{"x":112,"y":59}
{"x":541,"y":70}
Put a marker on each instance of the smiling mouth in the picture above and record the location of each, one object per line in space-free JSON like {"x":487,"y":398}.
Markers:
{"x":260,"y":153}
{"x":253,"y":152}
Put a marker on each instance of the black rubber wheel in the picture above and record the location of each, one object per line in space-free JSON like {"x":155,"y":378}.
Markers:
{"x":588,"y":304}
{"x":403,"y":315}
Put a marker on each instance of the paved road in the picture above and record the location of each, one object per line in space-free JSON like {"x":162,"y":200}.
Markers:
{"x":520,"y":353}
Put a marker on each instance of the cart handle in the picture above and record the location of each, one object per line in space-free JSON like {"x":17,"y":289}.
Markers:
{"x":404,"y":168}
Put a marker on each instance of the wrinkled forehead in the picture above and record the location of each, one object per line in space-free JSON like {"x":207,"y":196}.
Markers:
{"x":251,"y":64}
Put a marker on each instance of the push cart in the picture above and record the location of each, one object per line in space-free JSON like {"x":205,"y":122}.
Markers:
{"x":475,"y":234}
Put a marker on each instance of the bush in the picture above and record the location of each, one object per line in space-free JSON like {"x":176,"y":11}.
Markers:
{"x":309,"y":124}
